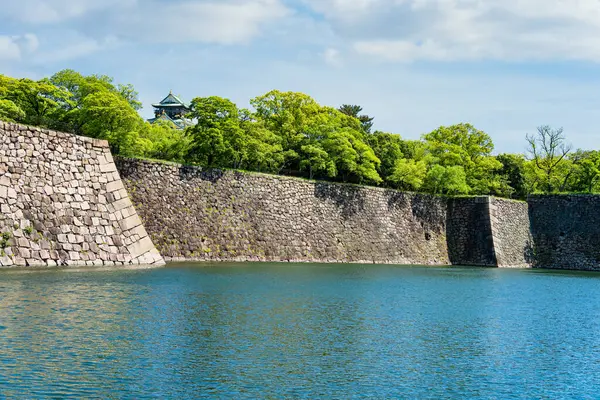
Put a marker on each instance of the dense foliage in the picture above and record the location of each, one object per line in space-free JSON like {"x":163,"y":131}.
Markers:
{"x":290,"y":133}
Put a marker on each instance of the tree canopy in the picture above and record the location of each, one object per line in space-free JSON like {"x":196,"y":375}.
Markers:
{"x":291,"y":133}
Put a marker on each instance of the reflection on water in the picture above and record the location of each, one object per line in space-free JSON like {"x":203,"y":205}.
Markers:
{"x":273,"y":331}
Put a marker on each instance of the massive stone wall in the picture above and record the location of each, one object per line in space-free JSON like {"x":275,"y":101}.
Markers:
{"x":63,"y":203}
{"x":227,"y":215}
{"x":566,"y":231}
{"x":512,"y":240}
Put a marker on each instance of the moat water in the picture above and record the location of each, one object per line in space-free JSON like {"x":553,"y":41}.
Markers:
{"x":300,"y":331}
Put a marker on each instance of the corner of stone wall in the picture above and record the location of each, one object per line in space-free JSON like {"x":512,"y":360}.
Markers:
{"x":141,"y":248}
{"x":494,"y":225}
{"x":511,"y":233}
{"x":63,"y":203}
{"x":469,"y":235}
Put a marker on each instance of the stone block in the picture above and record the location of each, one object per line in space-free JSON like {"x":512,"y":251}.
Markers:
{"x":139,"y":231}
{"x":142,"y":246}
{"x":114,"y":186}
{"x":130,"y":222}
{"x":34,"y":262}
{"x":20,"y":261}
{"x":121,"y":204}
{"x":107,"y":167}
{"x":99,"y":143}
{"x":6,"y":261}
{"x":24,"y":252}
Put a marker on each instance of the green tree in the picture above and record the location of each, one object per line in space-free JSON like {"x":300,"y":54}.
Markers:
{"x":288,"y":115}
{"x":217,"y":139}
{"x":317,"y":161}
{"x":306,"y":129}
{"x":128,"y":92}
{"x":354,"y":111}
{"x":40,"y":101}
{"x":79,"y":87}
{"x":446,"y":180}
{"x":10,"y":112}
{"x":548,"y":150}
{"x":464,"y":146}
{"x":387,"y":148}
{"x":415,"y":150}
{"x":513,"y":176}
{"x":343,"y":140}
{"x":585,"y":171}
{"x":109,"y":116}
{"x":225,"y":136}
{"x":408,"y":174}
{"x":163,"y":141}
{"x":263,"y":148}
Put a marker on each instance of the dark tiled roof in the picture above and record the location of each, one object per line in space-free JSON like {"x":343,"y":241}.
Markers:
{"x":171,"y":101}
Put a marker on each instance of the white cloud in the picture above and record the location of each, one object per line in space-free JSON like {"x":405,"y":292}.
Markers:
{"x":173,"y":21}
{"x":9,"y":49}
{"x":450,"y":30}
{"x":30,"y":42}
{"x":72,"y":29}
{"x":54,"y":11}
{"x":74,"y":45}
{"x":12,"y":48}
{"x":349,"y":10}
{"x":333,"y":57}
{"x":223,"y":21}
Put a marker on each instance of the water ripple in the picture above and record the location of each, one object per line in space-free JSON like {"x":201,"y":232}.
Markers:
{"x":299,"y":331}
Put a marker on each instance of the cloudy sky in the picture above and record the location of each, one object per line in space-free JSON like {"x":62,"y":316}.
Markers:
{"x":506,"y":66}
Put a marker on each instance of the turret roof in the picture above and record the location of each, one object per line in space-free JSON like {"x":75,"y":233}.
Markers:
{"x":171,"y":101}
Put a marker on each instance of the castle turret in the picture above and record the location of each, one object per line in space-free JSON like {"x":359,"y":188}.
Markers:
{"x":171,"y":108}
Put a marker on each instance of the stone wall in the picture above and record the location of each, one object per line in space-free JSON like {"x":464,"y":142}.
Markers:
{"x":469,"y":231}
{"x":512,"y":241}
{"x":62,"y":203}
{"x":225,"y":215}
{"x":566,"y":231}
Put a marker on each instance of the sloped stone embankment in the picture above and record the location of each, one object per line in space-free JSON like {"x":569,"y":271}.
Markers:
{"x":62,"y":202}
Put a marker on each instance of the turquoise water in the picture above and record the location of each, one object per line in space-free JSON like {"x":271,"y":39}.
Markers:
{"x":300,"y":331}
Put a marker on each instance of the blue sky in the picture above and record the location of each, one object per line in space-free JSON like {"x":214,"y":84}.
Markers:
{"x":505,"y":66}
